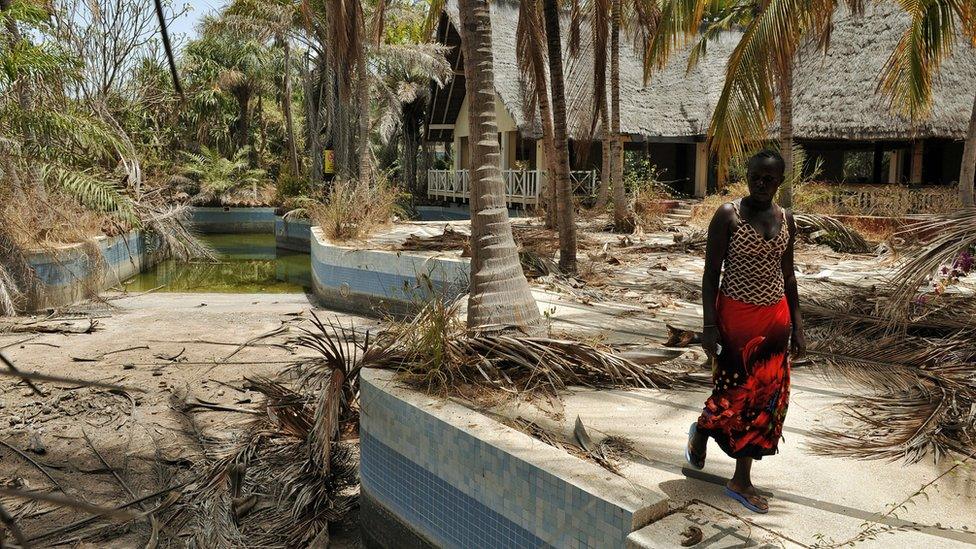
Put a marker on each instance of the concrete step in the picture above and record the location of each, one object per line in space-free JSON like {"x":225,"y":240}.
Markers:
{"x":702,"y":526}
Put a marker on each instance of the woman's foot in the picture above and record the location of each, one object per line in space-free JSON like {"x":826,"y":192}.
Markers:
{"x":697,"y":445}
{"x":748,"y":496}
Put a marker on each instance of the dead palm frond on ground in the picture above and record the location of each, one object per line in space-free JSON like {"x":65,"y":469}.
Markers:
{"x":913,"y":392}
{"x":290,"y":475}
{"x":946,"y":239}
{"x":432,"y":352}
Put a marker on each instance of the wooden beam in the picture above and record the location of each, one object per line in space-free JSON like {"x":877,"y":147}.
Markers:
{"x":894,"y":166}
{"x":917,"y":150}
{"x":701,"y":169}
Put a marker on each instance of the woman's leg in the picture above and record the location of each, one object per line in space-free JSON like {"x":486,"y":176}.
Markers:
{"x":699,"y":443}
{"x":741,"y":482}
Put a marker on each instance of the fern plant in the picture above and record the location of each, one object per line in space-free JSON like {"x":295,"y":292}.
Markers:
{"x":219,"y":176}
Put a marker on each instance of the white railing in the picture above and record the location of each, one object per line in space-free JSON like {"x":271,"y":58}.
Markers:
{"x":521,"y":186}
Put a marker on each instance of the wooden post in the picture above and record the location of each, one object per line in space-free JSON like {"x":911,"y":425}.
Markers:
{"x":540,"y":167}
{"x":876,"y":164}
{"x":701,"y":169}
{"x":456,"y":157}
{"x":917,"y":149}
{"x":894,"y":166}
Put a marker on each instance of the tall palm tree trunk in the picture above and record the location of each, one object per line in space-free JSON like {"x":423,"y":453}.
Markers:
{"x":286,"y":106}
{"x":365,"y":164}
{"x":564,"y":195}
{"x":500,"y":297}
{"x":968,"y":169}
{"x":545,"y":113}
{"x":242,"y":126}
{"x":786,"y":134}
{"x":621,"y":216}
{"x":603,"y":192}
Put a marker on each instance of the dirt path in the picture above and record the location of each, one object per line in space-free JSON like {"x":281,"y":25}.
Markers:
{"x":162,"y":346}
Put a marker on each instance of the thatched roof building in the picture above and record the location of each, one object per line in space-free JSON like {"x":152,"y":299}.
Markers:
{"x":836,"y":108}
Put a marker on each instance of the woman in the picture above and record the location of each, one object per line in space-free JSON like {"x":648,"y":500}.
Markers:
{"x":750,"y":323}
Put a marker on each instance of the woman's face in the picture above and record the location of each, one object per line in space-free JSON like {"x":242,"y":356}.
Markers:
{"x":764,"y":177}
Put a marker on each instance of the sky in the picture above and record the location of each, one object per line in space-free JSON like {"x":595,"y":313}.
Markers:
{"x":198,"y":8}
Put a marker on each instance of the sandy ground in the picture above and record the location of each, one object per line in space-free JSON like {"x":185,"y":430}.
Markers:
{"x":188,"y":344}
{"x":143,"y":440}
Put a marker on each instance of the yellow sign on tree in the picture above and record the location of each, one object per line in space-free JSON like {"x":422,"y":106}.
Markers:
{"x":328,"y":161}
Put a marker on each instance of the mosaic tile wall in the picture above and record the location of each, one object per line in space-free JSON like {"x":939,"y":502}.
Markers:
{"x":122,"y":254}
{"x":460,"y":491}
{"x":389,"y":275}
{"x":295,"y":234}
{"x":233,"y":220}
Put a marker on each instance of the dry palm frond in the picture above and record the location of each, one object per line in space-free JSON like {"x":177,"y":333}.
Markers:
{"x":926,"y":400}
{"x":955,"y":234}
{"x":835,"y":234}
{"x":433,"y":352}
{"x":172,"y":233}
{"x":275,"y":486}
{"x":905,"y":426}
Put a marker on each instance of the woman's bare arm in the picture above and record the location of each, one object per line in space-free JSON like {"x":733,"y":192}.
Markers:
{"x":715,"y":249}
{"x":792,"y":295}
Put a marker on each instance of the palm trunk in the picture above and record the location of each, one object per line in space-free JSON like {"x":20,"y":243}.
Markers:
{"x":621,"y":215}
{"x":545,"y":113}
{"x":564,"y":194}
{"x":242,"y":127}
{"x":968,"y":169}
{"x":313,"y":99}
{"x":411,"y":136}
{"x":500,"y":297}
{"x":603,"y":193}
{"x":365,"y":165}
{"x":286,"y":106}
{"x":786,"y":134}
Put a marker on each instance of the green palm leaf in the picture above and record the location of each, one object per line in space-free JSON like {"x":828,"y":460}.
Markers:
{"x":92,"y":192}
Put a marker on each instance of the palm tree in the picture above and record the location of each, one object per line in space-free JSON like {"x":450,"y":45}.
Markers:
{"x":608,"y":21}
{"x":236,"y":64}
{"x":621,"y":216}
{"x":500,"y":297}
{"x":760,"y":67}
{"x":274,"y":20}
{"x":561,"y":178}
{"x":531,"y":55}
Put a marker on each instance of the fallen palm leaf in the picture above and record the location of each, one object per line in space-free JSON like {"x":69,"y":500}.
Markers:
{"x":832,"y":232}
{"x":34,"y":376}
{"x":69,"y":502}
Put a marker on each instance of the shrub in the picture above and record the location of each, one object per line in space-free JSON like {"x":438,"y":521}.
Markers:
{"x":354,"y":209}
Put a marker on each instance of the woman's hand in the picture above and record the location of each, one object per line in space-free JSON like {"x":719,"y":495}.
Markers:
{"x":710,"y":341}
{"x":798,"y":343}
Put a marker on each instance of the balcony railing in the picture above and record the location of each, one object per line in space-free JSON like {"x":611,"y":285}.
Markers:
{"x":521,"y":186}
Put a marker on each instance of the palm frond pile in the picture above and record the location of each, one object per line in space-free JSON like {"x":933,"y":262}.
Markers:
{"x":911,"y":356}
{"x":290,"y":475}
{"x":433,"y":352}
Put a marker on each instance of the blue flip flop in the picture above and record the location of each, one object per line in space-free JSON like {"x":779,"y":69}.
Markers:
{"x":700,"y":464}
{"x":744,"y":500}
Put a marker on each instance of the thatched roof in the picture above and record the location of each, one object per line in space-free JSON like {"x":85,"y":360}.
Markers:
{"x":834,"y":94}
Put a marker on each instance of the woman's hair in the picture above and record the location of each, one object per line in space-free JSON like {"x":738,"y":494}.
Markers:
{"x":768,"y":154}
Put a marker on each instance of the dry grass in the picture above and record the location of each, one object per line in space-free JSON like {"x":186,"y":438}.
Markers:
{"x":35,"y":221}
{"x":647,"y":204}
{"x":354,"y":210}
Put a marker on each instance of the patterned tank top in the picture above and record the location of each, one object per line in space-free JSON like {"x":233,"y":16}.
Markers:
{"x":753,"y":270}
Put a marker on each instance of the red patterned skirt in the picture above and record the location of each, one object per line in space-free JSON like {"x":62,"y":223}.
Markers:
{"x":747,"y":407}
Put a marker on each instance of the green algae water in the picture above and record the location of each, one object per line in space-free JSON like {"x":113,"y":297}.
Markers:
{"x":246,"y":264}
